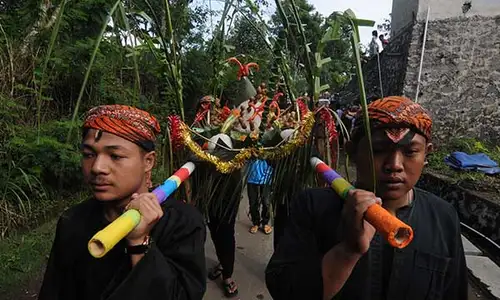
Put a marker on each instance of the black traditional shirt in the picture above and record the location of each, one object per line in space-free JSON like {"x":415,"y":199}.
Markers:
{"x":173,"y":268}
{"x":431,"y":267}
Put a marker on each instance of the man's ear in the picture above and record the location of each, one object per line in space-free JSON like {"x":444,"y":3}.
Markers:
{"x":429,"y":148}
{"x":150,"y":160}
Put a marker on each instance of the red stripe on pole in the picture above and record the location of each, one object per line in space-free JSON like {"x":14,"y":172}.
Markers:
{"x":182,"y":173}
{"x":322,"y":167}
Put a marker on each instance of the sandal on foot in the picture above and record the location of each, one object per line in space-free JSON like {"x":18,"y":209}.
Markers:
{"x":230,"y":289}
{"x":215,"y":272}
{"x":267,"y":229}
{"x":253,"y":229}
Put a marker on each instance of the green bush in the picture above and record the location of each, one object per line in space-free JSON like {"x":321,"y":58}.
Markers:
{"x":48,"y":157}
{"x":34,"y":166}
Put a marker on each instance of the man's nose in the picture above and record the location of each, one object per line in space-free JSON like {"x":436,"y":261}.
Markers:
{"x":394,"y":162}
{"x":100,"y":165}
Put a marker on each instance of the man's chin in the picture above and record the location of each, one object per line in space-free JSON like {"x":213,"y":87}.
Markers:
{"x":390,"y":195}
{"x":105,"y":197}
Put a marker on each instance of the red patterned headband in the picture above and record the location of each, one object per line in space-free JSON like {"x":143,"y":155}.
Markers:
{"x":395,"y":112}
{"x":124,"y":121}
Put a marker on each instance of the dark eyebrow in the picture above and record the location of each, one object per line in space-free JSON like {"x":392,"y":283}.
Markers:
{"x":110,"y":147}
{"x":114,"y":147}
{"x":388,"y":143}
{"x":414,"y":143}
{"x":86,"y":147}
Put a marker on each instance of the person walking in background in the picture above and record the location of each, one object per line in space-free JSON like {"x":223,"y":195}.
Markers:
{"x":373,"y":47}
{"x":383,"y":40}
{"x":259,"y":177}
{"x":217,"y":196}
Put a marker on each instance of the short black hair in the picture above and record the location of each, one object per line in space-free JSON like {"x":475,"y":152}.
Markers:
{"x":374,"y":33}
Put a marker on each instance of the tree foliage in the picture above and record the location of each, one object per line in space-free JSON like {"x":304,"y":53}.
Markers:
{"x":142,"y":59}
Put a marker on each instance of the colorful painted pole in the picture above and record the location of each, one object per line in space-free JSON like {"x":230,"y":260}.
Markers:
{"x":397,"y":233}
{"x":106,"y":239}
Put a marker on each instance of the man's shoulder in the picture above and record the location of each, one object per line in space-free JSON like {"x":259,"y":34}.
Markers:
{"x":74,"y":221}
{"x":318,"y":201}
{"x":185,"y":210}
{"x":436,"y":205}
{"x":79,"y":211}
{"x":433,"y":200}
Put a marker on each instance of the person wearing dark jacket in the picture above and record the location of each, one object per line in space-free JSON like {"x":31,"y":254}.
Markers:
{"x":162,"y":258}
{"x":329,"y":251}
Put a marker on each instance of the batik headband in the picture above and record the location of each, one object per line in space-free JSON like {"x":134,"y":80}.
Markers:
{"x":127,"y":122}
{"x":398,"y":116}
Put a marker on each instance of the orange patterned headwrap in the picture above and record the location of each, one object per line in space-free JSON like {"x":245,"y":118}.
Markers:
{"x":127,"y":122}
{"x":397,"y":115}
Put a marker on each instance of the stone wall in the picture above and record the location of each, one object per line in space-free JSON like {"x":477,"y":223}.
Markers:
{"x":474,"y":209}
{"x":460,"y":80}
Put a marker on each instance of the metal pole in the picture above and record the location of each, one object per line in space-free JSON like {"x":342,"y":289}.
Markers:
{"x":481,"y":235}
{"x":422,"y":54}
{"x":380,"y":75}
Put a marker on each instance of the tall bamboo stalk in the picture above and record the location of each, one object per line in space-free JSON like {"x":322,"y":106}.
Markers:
{"x":307,"y":50}
{"x":175,"y":60}
{"x":53,"y":37}
{"x":89,"y":67}
{"x":362,"y":92}
{"x":137,"y":82}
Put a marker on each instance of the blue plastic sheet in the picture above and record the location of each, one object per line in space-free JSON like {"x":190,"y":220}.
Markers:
{"x":479,"y":162}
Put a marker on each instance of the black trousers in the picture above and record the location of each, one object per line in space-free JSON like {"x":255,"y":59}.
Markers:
{"x":280,"y":220}
{"x":222,"y":232}
{"x":257,"y":197}
{"x":223,"y":203}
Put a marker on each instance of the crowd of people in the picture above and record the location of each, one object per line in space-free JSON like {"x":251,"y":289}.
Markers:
{"x":327,"y":249}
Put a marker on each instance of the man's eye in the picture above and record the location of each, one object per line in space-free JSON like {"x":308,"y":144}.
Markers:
{"x":87,"y":155}
{"x":411,"y":152}
{"x":115,"y":157}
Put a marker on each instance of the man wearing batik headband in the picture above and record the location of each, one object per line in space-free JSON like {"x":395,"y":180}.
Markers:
{"x":162,"y":258}
{"x":329,"y":252}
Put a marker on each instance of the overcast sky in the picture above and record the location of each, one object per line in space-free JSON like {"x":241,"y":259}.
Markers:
{"x":364,"y":9}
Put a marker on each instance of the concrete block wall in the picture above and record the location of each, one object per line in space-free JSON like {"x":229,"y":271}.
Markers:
{"x":460,"y":81}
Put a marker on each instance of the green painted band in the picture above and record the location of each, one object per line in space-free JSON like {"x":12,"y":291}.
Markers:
{"x":345,"y":193}
{"x":134,"y":215}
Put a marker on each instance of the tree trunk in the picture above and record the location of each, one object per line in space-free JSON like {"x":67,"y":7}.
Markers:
{"x":44,"y":22}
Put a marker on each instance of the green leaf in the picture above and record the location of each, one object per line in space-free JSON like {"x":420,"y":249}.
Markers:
{"x":362,"y":22}
{"x":308,"y":49}
{"x":253,"y":7}
{"x":350,"y":14}
{"x":229,"y":48}
{"x":325,"y":61}
{"x":332,"y":33}
{"x":238,"y":136}
{"x":146,"y":17}
{"x":324,"y":87}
